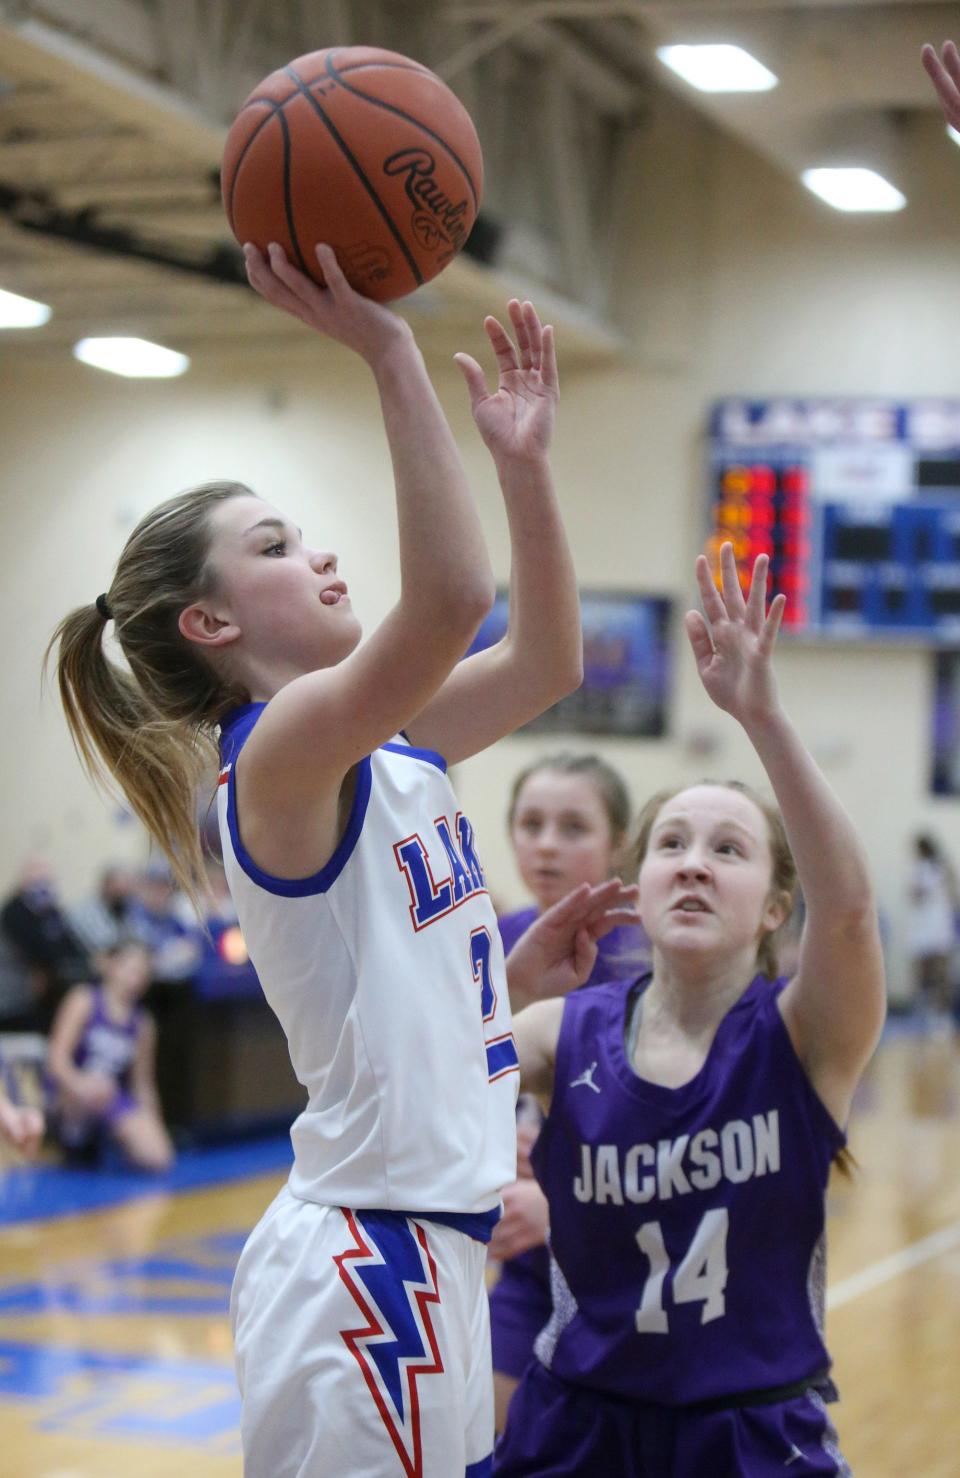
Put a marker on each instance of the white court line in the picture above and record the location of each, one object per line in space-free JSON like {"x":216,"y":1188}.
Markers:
{"x":891,"y":1267}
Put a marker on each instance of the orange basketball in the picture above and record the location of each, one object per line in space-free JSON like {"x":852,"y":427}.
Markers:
{"x":365,"y":150}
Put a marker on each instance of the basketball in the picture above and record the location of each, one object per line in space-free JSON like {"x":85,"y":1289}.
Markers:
{"x":364,"y":150}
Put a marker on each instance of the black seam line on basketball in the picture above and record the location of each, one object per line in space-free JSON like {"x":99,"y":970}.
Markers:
{"x":287,"y":201}
{"x":387,"y":67}
{"x":274,"y":108}
{"x":270,"y":102}
{"x":408,"y":118}
{"x":355,"y":166}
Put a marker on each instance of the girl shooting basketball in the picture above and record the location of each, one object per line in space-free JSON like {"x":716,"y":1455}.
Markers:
{"x":359,"y":1307}
{"x":693,"y":1117}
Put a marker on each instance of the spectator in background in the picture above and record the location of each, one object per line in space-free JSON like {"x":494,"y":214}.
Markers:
{"x":101,"y":1064}
{"x":931,"y":911}
{"x":104,"y":917}
{"x":37,"y":932}
{"x":20,"y":988}
{"x":160,"y":916}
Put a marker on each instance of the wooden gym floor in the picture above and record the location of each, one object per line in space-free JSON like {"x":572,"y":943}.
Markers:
{"x":115,"y":1350}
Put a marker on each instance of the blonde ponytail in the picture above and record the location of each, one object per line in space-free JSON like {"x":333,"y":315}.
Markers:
{"x":150,"y":729}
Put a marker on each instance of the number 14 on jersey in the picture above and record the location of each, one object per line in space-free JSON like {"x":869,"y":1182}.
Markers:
{"x":701,"y":1276}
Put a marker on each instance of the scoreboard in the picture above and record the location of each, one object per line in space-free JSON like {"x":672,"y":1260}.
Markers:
{"x":857,"y":503}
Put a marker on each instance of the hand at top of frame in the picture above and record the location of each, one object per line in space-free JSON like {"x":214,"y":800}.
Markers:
{"x":944,"y":71}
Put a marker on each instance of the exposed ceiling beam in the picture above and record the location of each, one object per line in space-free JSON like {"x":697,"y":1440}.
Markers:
{"x":497,"y":10}
{"x":584,"y":69}
{"x":581,"y":70}
{"x":126,"y":97}
{"x":124,"y":28}
{"x":509,"y":22}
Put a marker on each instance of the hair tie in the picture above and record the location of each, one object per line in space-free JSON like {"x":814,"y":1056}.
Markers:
{"x":103,"y":608}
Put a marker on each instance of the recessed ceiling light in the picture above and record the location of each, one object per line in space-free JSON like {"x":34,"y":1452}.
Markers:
{"x":17,"y":312}
{"x":954,"y":133}
{"x":134,"y":358}
{"x":720,"y":68}
{"x":854,"y":189}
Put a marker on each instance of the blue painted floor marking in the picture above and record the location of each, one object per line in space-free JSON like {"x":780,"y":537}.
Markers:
{"x":42,"y":1192}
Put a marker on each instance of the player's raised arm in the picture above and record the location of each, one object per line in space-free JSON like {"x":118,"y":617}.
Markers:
{"x":446,"y":581}
{"x":540,"y":659}
{"x":834,"y":1008}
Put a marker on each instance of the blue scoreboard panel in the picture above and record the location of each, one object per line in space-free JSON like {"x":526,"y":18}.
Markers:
{"x":857,"y":503}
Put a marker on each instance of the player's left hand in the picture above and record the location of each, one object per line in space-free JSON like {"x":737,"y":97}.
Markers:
{"x":733,"y":640}
{"x":558,"y":951}
{"x":517,"y":420}
{"x":524,"y":1223}
{"x":944,"y":72}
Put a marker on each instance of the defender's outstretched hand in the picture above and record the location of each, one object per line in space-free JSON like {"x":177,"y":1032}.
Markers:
{"x":733,"y":640}
{"x":944,"y":71}
{"x":517,"y":420}
{"x":335,"y":310}
{"x":557,"y":953}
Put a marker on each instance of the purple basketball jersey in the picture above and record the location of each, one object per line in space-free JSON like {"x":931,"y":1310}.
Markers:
{"x":687,"y":1224}
{"x":106,"y":1046}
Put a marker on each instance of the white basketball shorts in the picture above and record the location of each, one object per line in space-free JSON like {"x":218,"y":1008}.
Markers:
{"x":362,"y":1345}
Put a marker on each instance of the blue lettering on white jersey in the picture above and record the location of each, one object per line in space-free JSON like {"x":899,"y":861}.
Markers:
{"x":431,"y":900}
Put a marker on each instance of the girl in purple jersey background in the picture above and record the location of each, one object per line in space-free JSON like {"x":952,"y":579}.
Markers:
{"x":569,"y":815}
{"x":692,"y":1118}
{"x":101,"y":1063}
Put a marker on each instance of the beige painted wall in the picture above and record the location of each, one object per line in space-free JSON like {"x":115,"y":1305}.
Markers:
{"x":731,"y":280}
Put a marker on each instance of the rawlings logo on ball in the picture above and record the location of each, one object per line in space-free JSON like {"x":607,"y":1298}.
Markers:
{"x":437,"y":218}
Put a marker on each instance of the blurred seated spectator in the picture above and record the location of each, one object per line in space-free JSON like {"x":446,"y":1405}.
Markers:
{"x":104,"y":917}
{"x":101,"y":1065}
{"x":932,"y":899}
{"x":163,"y":919}
{"x":37,"y":932}
{"x":20,"y":988}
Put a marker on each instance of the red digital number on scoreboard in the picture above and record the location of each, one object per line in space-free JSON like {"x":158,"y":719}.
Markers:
{"x":762,"y":509}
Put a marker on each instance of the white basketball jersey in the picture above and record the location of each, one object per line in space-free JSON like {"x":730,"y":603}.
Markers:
{"x":386,"y":972}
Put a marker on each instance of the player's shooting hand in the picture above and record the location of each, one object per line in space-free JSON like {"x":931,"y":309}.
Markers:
{"x":559,"y":950}
{"x":733,"y":639}
{"x":516,"y":421}
{"x":944,"y":72}
{"x":336,"y":310}
{"x":524,"y":1223}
